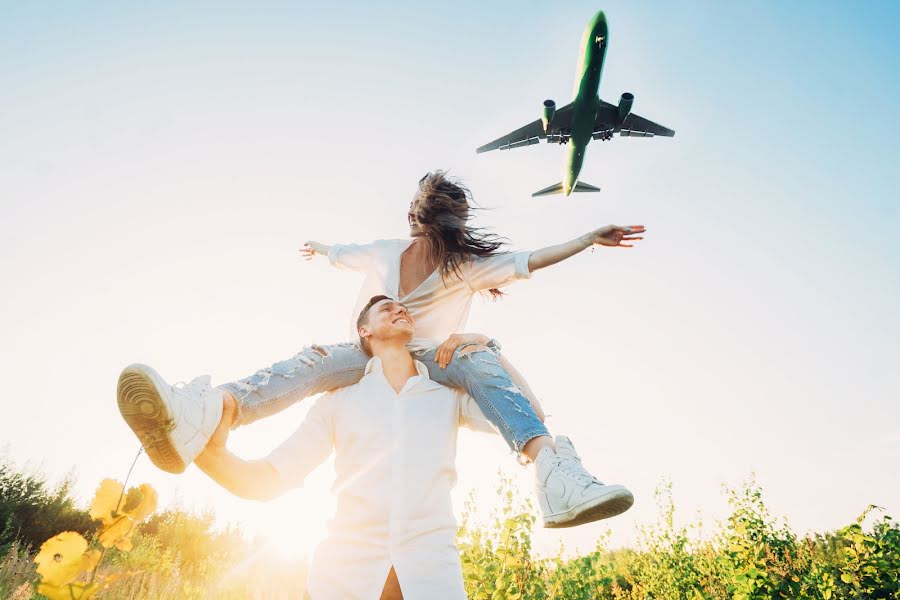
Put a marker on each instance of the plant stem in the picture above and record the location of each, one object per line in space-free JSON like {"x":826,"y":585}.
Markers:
{"x":118,"y":505}
{"x":128,"y":476}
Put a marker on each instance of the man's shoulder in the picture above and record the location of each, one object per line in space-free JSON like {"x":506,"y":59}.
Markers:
{"x":341,"y":394}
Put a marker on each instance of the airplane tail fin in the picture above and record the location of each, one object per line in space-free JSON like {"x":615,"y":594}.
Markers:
{"x":558,"y":189}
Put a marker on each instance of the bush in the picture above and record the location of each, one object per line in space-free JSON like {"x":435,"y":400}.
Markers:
{"x":751,"y":555}
{"x":31,"y":511}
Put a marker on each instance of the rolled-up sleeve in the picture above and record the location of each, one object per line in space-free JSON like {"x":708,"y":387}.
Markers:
{"x":306,"y":448}
{"x":353,"y":257}
{"x":497,"y":271}
{"x":470,"y":414}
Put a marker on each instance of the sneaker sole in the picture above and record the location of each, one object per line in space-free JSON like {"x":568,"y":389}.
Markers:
{"x":148,"y":415}
{"x":609,"y":505}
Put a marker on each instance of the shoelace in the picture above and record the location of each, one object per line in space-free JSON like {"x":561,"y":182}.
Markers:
{"x":197,"y":384}
{"x":571,"y":467}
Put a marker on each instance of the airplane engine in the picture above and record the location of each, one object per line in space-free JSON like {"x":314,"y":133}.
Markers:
{"x":625,"y":103}
{"x":547,"y":114}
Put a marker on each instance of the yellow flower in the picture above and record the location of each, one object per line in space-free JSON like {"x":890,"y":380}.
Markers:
{"x":110,"y":504}
{"x":105,"y":504}
{"x":118,"y":534}
{"x":140,"y":502}
{"x":69,"y":591}
{"x":62,"y":559}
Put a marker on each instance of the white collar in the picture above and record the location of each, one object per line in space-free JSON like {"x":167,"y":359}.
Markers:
{"x":374,"y":365}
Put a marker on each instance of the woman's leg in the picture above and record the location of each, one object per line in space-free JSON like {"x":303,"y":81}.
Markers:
{"x":313,"y":370}
{"x":480,"y":371}
{"x":174,"y":423}
{"x":567,"y":494}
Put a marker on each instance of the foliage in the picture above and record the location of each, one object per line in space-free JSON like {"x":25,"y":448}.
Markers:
{"x":31,"y":511}
{"x":67,"y":564}
{"x":750,"y":555}
{"x":16,"y":574}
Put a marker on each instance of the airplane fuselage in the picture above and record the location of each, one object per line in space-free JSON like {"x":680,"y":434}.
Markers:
{"x":587,"y":101}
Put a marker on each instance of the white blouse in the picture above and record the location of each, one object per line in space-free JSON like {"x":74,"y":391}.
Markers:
{"x":395,"y":460}
{"x":439,"y":307}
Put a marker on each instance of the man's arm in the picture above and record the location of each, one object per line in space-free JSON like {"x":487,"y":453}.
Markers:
{"x":250,"y":479}
{"x":284,"y":468}
{"x":611,"y":235}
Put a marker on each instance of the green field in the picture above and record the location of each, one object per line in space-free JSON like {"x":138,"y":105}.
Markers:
{"x":179,"y":554}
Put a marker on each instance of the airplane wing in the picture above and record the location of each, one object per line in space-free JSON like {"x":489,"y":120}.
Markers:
{"x":530,"y":134}
{"x":633,"y":126}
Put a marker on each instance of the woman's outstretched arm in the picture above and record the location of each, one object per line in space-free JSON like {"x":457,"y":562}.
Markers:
{"x":353,"y":257}
{"x":310,"y":249}
{"x":611,"y":235}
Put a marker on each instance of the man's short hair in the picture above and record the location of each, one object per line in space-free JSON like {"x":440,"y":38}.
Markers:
{"x":363,"y":317}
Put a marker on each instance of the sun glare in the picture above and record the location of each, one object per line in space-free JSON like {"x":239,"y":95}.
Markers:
{"x":292,"y":525}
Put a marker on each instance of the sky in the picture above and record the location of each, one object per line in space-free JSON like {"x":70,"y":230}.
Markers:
{"x":161,"y":164}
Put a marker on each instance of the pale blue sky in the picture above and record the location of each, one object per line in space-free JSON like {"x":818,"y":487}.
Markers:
{"x":160,"y":165}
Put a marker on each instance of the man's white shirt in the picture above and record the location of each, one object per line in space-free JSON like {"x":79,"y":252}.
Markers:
{"x":440,"y":306}
{"x":395,"y":464}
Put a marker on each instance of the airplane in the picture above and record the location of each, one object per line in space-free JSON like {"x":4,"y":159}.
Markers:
{"x":587,"y":117}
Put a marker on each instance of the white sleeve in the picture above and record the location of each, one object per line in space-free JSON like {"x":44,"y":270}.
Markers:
{"x":496,"y":271}
{"x":353,"y":257}
{"x":307,"y":447}
{"x":470,"y":415}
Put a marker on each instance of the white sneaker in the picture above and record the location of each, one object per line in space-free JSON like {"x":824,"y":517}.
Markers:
{"x":568,"y":495}
{"x":173,"y":423}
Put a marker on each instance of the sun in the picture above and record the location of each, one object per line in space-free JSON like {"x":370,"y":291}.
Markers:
{"x":293,"y":525}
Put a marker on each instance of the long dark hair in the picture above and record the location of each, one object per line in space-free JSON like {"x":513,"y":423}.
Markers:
{"x":442,"y":209}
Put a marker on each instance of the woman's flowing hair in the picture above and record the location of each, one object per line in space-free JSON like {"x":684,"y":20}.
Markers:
{"x":442,"y":209}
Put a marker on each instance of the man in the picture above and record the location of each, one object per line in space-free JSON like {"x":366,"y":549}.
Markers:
{"x":436,"y":274}
{"x":394,"y":437}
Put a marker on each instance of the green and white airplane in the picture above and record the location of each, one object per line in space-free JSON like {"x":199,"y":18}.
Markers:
{"x":586,"y":118}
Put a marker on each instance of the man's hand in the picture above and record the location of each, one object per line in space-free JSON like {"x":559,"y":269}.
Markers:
{"x":445,"y":351}
{"x":312,"y":249}
{"x":219,"y":439}
{"x":251,"y":479}
{"x":614,"y":235}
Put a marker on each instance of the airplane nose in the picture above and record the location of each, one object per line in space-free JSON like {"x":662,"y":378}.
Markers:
{"x":600,"y":27}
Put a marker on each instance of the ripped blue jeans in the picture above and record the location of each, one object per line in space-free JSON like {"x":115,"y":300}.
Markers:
{"x":318,"y":369}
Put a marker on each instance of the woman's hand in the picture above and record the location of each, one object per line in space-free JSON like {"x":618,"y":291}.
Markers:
{"x":311,"y":249}
{"x":614,"y":235}
{"x":445,"y":351}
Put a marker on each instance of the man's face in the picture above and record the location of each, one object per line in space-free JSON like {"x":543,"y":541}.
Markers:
{"x":388,"y":320}
{"x":414,"y":229}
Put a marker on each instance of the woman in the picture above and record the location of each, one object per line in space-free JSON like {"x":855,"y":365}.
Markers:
{"x":435,"y":274}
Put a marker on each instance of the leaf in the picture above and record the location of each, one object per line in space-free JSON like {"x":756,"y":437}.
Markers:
{"x":147,"y":504}
{"x":89,"y":560}
{"x":132,"y":498}
{"x":846,"y":577}
{"x":118,"y":534}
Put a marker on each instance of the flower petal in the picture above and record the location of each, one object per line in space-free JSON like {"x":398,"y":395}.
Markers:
{"x":106,"y":501}
{"x":60,"y":559}
{"x":147,"y":504}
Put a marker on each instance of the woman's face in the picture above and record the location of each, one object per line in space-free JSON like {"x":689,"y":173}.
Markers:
{"x":414,"y":229}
